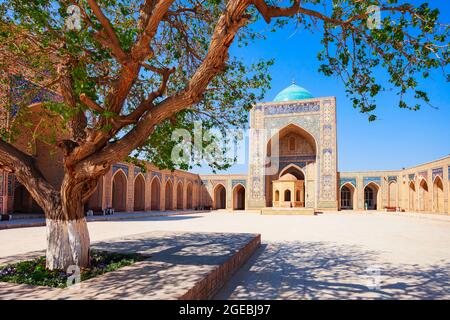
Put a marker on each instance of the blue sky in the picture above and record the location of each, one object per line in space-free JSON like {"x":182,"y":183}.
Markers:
{"x":398,"y":138}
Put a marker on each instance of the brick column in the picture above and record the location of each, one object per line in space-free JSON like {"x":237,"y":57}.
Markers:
{"x":163,"y":192}
{"x":360,"y":192}
{"x":107,"y":189}
{"x":229,"y":195}
{"x":148,"y":190}
{"x":3,"y":193}
{"x":130,"y":189}
{"x":174,"y":193}
{"x":184,"y":193}
{"x":447,"y":185}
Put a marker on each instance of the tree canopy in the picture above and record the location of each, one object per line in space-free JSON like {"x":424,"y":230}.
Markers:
{"x":125,"y":58}
{"x":107,"y":80}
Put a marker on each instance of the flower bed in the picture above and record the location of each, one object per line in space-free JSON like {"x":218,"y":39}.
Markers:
{"x":33,"y":272}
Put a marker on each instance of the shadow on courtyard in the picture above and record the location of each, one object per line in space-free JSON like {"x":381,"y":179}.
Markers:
{"x":155,"y":218}
{"x":319,"y":270}
{"x":179,"y":247}
{"x":176,"y":262}
{"x":278,"y":270}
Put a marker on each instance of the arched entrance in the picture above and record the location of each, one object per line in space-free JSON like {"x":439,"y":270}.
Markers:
{"x":220,"y":197}
{"x":412,"y":196}
{"x":156,"y":194}
{"x":24,"y":202}
{"x":119,"y":191}
{"x":95,"y":201}
{"x":205,"y":197}
{"x":287,"y":195}
{"x":438,"y":195}
{"x":424,"y":198}
{"x":277,"y":195}
{"x":139,"y":193}
{"x":292,"y":144}
{"x":239,"y":197}
{"x":291,"y":187}
{"x":371,"y":196}
{"x":347,"y":196}
{"x":169,"y":195}
{"x":180,"y":196}
{"x":189,"y":196}
{"x":392,"y":195}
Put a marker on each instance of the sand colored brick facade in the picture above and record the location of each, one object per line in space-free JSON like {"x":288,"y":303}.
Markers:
{"x":128,"y":188}
{"x":423,"y":188}
{"x":292,"y":164}
{"x":125,"y":188}
{"x":304,"y":133}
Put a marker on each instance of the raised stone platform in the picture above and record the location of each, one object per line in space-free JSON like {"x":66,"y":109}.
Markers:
{"x":288,"y":211}
{"x":181,"y":266}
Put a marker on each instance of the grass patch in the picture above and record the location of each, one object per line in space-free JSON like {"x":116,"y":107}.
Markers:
{"x":34,"y":272}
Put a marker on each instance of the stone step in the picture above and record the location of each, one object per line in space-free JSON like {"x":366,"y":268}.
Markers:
{"x":288,"y":211}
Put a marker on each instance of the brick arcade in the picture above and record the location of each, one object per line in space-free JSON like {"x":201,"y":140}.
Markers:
{"x":292,"y":164}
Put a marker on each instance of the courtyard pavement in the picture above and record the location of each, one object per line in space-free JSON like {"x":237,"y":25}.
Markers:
{"x":328,"y":256}
{"x":40,"y":221}
{"x":178,"y":265}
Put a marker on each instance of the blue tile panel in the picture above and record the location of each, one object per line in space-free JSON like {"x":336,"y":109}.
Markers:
{"x":238,"y":181}
{"x":24,"y":92}
{"x":158,"y":174}
{"x":368,"y":180}
{"x":292,"y":108}
{"x":118,"y":166}
{"x":392,"y":178}
{"x":437,"y":172}
{"x":343,"y":181}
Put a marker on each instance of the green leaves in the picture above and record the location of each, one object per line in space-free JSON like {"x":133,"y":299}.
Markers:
{"x":397,"y":54}
{"x":408,"y":44}
{"x":34,"y":272}
{"x":224,"y":107}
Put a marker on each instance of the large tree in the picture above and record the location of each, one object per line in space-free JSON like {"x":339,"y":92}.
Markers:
{"x":132,"y":71}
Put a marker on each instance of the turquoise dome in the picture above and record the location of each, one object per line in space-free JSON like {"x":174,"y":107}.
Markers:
{"x":293,"y":92}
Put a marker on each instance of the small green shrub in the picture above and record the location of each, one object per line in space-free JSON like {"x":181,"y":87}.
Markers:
{"x":35,"y":273}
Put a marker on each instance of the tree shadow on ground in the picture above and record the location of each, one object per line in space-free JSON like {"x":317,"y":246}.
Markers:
{"x":189,"y":248}
{"x":155,"y":218}
{"x":176,"y":262}
{"x":320,"y":270}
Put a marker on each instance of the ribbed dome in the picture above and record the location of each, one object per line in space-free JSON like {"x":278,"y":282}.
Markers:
{"x":293,"y":92}
{"x":288,"y":177}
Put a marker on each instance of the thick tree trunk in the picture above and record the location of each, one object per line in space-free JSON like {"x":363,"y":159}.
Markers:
{"x":67,"y":233}
{"x":67,"y":243}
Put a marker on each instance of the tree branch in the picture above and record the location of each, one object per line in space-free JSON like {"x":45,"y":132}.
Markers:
{"x":146,"y":104}
{"x":229,"y":23}
{"x":269,"y":12}
{"x":78,"y":122}
{"x":141,"y":50}
{"x":316,"y":14}
{"x":22,"y":165}
{"x":91,"y":104}
{"x":114,"y":44}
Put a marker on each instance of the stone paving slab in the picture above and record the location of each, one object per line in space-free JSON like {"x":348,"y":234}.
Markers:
{"x":182,"y":265}
{"x":289,"y":211}
{"x":421,"y":215}
{"x":39,"y":222}
{"x":21,"y":257}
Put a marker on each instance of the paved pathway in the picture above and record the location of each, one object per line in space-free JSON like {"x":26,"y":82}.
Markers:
{"x":324,"y":256}
{"x":37,"y":222}
{"x":179,"y":265}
